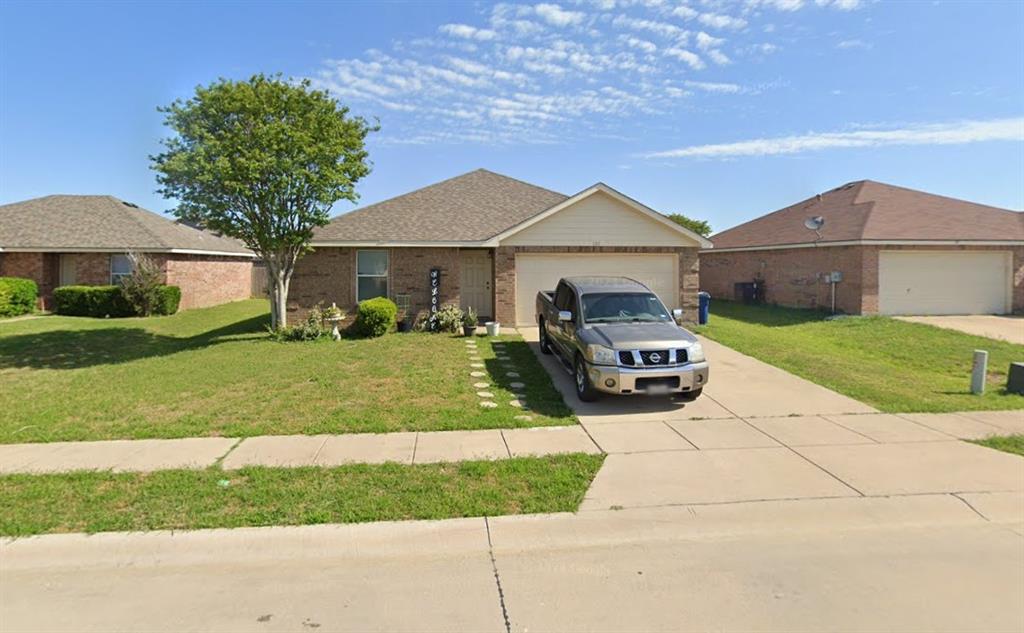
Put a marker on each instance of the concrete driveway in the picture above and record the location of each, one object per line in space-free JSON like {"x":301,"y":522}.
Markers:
{"x":739,"y":386}
{"x":1004,"y":328}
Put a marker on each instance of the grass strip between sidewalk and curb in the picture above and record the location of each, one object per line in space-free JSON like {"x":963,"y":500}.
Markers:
{"x":1006,"y":443}
{"x":259,"y":496}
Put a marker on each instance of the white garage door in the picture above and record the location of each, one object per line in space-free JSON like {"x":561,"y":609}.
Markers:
{"x":541,"y":271}
{"x":943,"y":282}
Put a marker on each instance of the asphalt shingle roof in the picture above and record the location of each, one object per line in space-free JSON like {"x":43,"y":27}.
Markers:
{"x":868,"y":210}
{"x":100,"y":222}
{"x":472,"y":207}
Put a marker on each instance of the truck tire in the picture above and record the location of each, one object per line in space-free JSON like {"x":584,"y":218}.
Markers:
{"x":584,"y":390}
{"x":545,"y":344}
{"x":690,"y":396}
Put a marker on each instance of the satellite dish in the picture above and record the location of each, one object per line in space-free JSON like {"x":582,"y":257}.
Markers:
{"x":814,"y":223}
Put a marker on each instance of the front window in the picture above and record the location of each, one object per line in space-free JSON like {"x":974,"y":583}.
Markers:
{"x":371,"y":275}
{"x":120,"y":268}
{"x":617,"y":307}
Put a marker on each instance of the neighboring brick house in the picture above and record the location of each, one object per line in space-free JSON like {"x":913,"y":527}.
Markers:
{"x":898,"y":251}
{"x":63,"y":240}
{"x":496,"y":241}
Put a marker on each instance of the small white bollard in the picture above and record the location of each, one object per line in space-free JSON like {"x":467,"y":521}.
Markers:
{"x":979,"y":371}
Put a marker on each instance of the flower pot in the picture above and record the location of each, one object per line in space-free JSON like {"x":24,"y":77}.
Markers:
{"x":493,"y":328}
{"x":402,"y":326}
{"x":468,"y":330}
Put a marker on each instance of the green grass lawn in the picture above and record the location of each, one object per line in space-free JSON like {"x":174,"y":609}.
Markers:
{"x":1008,"y":444}
{"x":215,"y":372}
{"x":211,"y":498}
{"x":892,"y":365}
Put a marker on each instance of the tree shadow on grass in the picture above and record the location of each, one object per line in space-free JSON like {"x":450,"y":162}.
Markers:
{"x":74,"y":349}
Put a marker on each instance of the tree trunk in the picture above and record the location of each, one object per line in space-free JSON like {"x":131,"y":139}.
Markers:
{"x":279,"y":282}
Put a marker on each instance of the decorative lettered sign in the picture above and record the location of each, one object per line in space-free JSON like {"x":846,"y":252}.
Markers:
{"x":435,"y":296}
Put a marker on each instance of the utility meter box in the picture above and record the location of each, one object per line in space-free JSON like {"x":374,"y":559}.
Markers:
{"x":835,"y":276}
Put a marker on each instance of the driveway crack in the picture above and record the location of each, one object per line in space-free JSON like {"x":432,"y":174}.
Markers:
{"x":497,"y":578}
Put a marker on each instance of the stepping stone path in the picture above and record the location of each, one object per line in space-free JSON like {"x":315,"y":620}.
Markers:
{"x":519,"y":404}
{"x":477,"y":374}
{"x":488,"y":404}
{"x":512,"y":374}
{"x":475,"y":358}
{"x":476,"y":364}
{"x":516,"y":385}
{"x":481,"y":385}
{"x":485,"y":394}
{"x":524,"y":418}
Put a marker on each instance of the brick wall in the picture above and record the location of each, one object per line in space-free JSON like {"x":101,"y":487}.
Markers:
{"x":328,"y":275}
{"x":44,"y":269}
{"x":792,"y":277}
{"x":505,"y":273}
{"x":871,"y":271}
{"x":207,"y":280}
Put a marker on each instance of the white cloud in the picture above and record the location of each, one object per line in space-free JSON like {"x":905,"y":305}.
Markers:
{"x":852,"y":44}
{"x":635,"y":42}
{"x":719,"y":57}
{"x":842,"y":5}
{"x":684,"y":12}
{"x":706,"y":42}
{"x":468,"y":32}
{"x":691,"y":59}
{"x":957,"y":133}
{"x":665,"y":29}
{"x":781,"y":5}
{"x":720,"y":21}
{"x":557,"y":16}
{"x":707,"y":86}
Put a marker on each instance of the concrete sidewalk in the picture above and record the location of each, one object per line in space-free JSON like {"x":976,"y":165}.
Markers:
{"x":294,"y":450}
{"x":1005,"y":328}
{"x":613,"y":435}
{"x":776,"y":565}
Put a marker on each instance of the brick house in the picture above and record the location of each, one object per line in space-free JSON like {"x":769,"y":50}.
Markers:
{"x":897,"y":251}
{"x":66,"y":240}
{"x":496,"y":242}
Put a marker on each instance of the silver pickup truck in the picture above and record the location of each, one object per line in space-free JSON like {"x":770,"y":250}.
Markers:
{"x":616,"y":336}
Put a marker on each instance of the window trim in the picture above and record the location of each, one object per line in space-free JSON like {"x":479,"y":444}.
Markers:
{"x":115,"y":278}
{"x":387,"y":271}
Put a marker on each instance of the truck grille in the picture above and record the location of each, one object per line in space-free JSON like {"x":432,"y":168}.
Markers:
{"x":626,"y":358}
{"x":681,"y":356}
{"x":655,"y":357}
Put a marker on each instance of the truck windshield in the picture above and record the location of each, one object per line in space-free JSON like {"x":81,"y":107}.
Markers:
{"x":621,"y":307}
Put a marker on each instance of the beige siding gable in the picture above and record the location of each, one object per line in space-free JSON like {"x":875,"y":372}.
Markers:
{"x":598,"y":220}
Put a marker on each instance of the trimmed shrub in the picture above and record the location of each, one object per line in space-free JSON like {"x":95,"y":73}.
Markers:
{"x":170,"y":298}
{"x":142,"y":288}
{"x":17,"y":296}
{"x":309,"y":330}
{"x":91,"y":301}
{"x":375,"y":317}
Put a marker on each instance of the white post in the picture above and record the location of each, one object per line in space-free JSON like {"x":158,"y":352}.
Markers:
{"x":979,"y":371}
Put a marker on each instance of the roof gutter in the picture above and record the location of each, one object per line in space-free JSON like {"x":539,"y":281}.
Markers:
{"x":80,"y":249}
{"x":779,"y":247}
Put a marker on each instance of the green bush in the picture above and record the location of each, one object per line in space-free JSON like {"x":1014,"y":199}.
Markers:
{"x":309,"y":330}
{"x":170,"y":297}
{"x":375,"y":317}
{"x":91,"y":301}
{"x":17,"y":296}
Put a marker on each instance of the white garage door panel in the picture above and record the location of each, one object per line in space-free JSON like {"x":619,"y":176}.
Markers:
{"x":943,"y":282}
{"x":541,"y":271}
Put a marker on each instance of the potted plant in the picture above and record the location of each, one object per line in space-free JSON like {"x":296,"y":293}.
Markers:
{"x":469,"y":322}
{"x":334,"y":316}
{"x":493,"y":328}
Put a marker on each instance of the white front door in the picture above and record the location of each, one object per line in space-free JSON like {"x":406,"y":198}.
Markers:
{"x":475,"y":282}
{"x":68,"y":270}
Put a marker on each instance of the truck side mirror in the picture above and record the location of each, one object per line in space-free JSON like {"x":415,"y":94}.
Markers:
{"x":564,"y":315}
{"x":677,"y":314}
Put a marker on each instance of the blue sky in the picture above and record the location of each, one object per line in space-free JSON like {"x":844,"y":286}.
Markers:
{"x":720,"y":110}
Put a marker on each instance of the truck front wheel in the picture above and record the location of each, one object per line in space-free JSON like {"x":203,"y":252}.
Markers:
{"x":584,"y":390}
{"x":545,"y":344}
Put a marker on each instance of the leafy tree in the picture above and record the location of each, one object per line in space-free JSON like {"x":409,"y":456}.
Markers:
{"x":700,"y":227}
{"x":262,"y":160}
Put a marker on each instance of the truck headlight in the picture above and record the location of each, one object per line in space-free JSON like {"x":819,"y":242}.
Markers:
{"x":695,"y":353}
{"x":600,"y":355}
